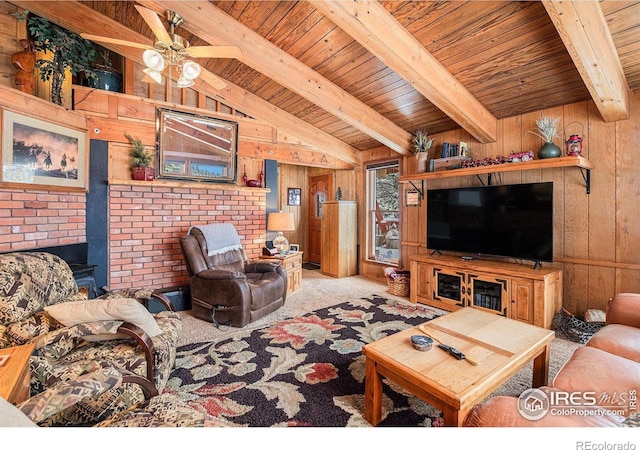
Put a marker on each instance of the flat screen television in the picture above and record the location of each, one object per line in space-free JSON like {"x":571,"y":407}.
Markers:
{"x":514,"y":221}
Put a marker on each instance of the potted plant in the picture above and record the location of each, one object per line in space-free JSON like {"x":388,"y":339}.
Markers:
{"x":421,"y":145}
{"x":63,"y":51}
{"x":548,"y":131}
{"x":140,"y":160}
{"x":106,"y":77}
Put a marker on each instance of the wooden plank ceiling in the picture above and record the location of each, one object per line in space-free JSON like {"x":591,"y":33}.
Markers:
{"x":369,"y":74}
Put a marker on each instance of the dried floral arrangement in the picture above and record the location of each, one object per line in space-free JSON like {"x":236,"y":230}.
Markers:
{"x":547,"y":128}
{"x":421,"y":142}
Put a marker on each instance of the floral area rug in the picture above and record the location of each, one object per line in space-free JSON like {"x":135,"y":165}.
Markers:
{"x":302,"y":371}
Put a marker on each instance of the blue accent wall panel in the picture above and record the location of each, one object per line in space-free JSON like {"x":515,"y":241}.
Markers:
{"x":97,"y":214}
{"x":271,"y":182}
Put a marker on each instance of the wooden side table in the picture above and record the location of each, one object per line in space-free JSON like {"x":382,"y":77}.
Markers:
{"x":292,"y":263}
{"x":14,"y":373}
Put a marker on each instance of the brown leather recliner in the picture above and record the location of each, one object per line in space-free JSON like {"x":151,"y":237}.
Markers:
{"x":226,"y":288}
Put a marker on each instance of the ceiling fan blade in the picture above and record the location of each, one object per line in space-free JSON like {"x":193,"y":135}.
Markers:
{"x":154,"y":23}
{"x":109,"y":40}
{"x":215,"y":51}
{"x":215,"y":81}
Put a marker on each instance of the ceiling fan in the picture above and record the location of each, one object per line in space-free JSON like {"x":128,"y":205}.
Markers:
{"x":170,"y":49}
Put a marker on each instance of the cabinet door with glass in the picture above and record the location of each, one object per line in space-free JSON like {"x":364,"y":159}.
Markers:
{"x":450,"y":286}
{"x":489,"y":293}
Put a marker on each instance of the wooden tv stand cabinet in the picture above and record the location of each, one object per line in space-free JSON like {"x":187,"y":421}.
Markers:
{"x":516,"y":291}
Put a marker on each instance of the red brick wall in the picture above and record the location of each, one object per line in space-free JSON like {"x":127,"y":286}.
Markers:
{"x":146,"y":223}
{"x":39,"y":218}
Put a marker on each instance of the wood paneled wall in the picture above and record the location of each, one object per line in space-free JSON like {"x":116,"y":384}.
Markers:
{"x":11,"y":31}
{"x":291,"y":176}
{"x":596,"y":236}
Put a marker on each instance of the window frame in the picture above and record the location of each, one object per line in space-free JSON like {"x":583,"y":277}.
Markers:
{"x":371,"y":210}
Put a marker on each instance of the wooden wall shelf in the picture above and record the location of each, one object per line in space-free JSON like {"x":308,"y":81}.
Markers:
{"x":580,"y":162}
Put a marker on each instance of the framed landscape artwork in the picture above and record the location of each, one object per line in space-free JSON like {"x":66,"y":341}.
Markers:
{"x":195,"y":147}
{"x":38,"y":152}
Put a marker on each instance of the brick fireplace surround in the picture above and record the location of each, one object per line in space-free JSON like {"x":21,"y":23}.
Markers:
{"x":146,"y":221}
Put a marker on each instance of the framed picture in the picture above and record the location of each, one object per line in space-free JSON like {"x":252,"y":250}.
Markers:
{"x":293,"y":197}
{"x":294,"y":247}
{"x":412,"y":197}
{"x":38,"y":152}
{"x":196,"y":147}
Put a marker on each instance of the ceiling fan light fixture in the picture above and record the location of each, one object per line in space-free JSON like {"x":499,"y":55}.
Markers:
{"x":154,"y":60}
{"x":154,"y":74}
{"x":191,"y":70}
{"x":171,"y":49}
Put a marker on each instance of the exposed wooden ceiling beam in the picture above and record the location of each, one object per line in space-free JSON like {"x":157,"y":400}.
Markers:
{"x":585,"y":33}
{"x":216,"y":27}
{"x":369,"y":23}
{"x":82,"y":19}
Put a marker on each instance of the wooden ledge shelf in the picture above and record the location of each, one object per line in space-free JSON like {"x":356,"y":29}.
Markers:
{"x":580,"y":162}
{"x":186,"y":184}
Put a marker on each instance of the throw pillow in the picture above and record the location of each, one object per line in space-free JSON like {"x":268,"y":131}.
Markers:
{"x":125,"y":309}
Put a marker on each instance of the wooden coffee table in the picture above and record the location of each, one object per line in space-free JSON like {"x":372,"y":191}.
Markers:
{"x":501,"y":346}
{"x":14,"y":374}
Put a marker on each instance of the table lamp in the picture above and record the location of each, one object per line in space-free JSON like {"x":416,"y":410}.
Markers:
{"x":281,"y":221}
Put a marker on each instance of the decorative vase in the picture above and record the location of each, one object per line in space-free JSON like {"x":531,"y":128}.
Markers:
{"x":549,"y":150}
{"x":106,"y":78}
{"x":422,"y":165}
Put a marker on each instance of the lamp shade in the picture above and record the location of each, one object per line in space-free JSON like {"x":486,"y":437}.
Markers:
{"x":280,"y":221}
{"x":191,"y":70}
{"x":184,"y":82}
{"x":153,"y":75}
{"x":153,"y":60}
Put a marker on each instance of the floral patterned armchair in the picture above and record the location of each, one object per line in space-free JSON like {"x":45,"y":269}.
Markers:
{"x":155,"y":411}
{"x":40,"y":303}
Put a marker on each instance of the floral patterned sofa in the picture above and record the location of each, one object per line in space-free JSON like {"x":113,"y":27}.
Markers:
{"x":164,"y":410}
{"x":40,"y":303}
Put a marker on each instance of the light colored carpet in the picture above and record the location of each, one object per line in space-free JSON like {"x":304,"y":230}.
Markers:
{"x":320,"y":291}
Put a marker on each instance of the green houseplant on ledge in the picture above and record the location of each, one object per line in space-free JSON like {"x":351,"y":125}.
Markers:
{"x":140,"y":160}
{"x":64,"y":52}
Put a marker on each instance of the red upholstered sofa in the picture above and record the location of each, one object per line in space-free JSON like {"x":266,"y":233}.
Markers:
{"x":603,"y":376}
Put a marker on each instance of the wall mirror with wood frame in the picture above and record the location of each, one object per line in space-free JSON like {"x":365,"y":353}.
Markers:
{"x":196,"y":147}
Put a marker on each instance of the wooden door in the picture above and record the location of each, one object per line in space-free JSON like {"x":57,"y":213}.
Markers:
{"x":319,"y":190}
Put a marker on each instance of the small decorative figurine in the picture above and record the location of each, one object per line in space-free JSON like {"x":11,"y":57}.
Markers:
{"x":261,"y":178}
{"x":24,"y":62}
